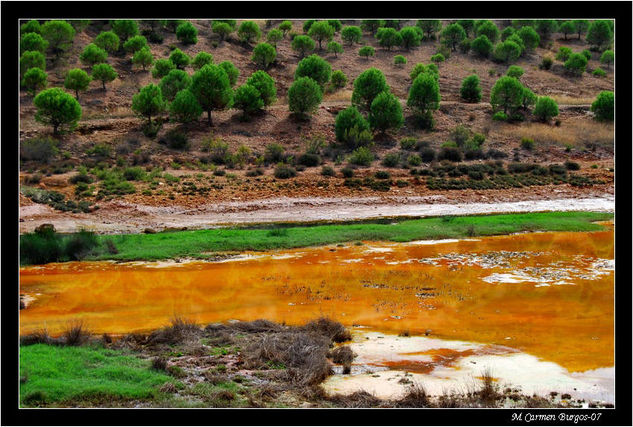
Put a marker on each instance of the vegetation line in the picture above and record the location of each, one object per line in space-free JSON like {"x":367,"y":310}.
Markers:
{"x":36,"y":248}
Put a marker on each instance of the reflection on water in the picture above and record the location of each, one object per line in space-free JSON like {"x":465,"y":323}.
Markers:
{"x":546,"y":294}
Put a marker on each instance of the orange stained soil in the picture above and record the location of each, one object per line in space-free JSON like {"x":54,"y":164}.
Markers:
{"x":561,"y":307}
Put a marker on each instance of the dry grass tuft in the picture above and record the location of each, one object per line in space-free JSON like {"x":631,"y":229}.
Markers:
{"x":329,"y":328}
{"x":358,"y":399}
{"x":181,"y":330}
{"x":416,"y":397}
{"x":75,"y":333}
{"x":343,"y":356}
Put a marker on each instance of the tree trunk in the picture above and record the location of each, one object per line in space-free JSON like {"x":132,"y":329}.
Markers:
{"x":77,"y":94}
{"x":149,"y":117}
{"x":209,"y":118}
{"x":103,"y":82}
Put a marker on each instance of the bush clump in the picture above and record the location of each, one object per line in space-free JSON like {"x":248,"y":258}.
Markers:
{"x":283,"y":171}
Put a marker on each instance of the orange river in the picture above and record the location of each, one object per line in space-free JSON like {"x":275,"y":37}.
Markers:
{"x":548,"y":294}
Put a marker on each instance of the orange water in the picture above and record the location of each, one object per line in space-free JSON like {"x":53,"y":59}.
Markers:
{"x":570,"y":324}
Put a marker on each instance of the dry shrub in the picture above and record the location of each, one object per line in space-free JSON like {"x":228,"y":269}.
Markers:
{"x":260,"y":325}
{"x":40,"y":336}
{"x":159,"y":363}
{"x":489,"y":392}
{"x":304,"y":354}
{"x":75,"y":333}
{"x":343,"y":356}
{"x":358,"y":399}
{"x":416,"y":397}
{"x":329,"y":328}
{"x":181,"y":330}
{"x":224,"y":395}
{"x":571,"y":132}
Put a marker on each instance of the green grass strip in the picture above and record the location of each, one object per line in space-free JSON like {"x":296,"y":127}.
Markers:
{"x":195,"y":243}
{"x":65,"y":374}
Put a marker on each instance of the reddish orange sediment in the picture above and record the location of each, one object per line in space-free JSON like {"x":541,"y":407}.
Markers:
{"x":571,"y":325}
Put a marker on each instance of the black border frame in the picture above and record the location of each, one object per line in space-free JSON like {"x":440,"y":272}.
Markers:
{"x":620,"y":11}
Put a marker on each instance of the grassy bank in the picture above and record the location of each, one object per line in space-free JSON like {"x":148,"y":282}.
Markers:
{"x":53,"y":374}
{"x":195,"y":243}
{"x":201,"y":243}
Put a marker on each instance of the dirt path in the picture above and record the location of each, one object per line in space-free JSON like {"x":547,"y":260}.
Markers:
{"x":118,"y":216}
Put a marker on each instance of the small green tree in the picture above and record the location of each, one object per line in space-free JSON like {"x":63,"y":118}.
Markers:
{"x":529,"y":98}
{"x":563,"y":53}
{"x":249,"y":32}
{"x":366,"y":51}
{"x":507,"y":32}
{"x":212,"y":89}
{"x":302,"y":44}
{"x":274,"y":36}
{"x":143,"y":57}
{"x":149,"y":102}
{"x":31,"y":26}
{"x":124,"y":28}
{"x":33,"y":42}
{"x":339,"y":79}
{"x":452,"y":35}
{"x":430,"y":27}
{"x":187,"y":33}
{"x":515,"y":71}
{"x":530,"y":38}
{"x":372,"y":25}
{"x":108,"y":41}
{"x":519,"y":42}
{"x":162,"y":67}
{"x":248,"y":99}
{"x":179,"y":59}
{"x":351,"y":34}
{"x":367,"y":86}
{"x":335,"y":48}
{"x":336,"y":24}
{"x":507,"y":94}
{"x":488,"y":29}
{"x":77,"y":79}
{"x":385,"y":112}
{"x":315,"y":67}
{"x":104,"y":73}
{"x":231,"y":71}
{"x":321,"y":31}
{"x":470,"y":90}
{"x":567,"y":27}
{"x":481,"y":46}
{"x":545,"y":108}
{"x":468,"y":25}
{"x":59,"y":35}
{"x":265,"y":85}
{"x":134,"y":44}
{"x":399,"y":60}
{"x":93,"y":54}
{"x":507,"y":51}
{"x":174,"y":82}
{"x":264,"y":55}
{"x":32,"y":59}
{"x":581,"y":26}
{"x":185,"y":107}
{"x":222,"y":29}
{"x":201,"y":59}
{"x":308,"y":24}
{"x":34,"y":80}
{"x":57,"y":108}
{"x":346,"y":120}
{"x":603,"y":106}
{"x":545,"y":28}
{"x":285,"y":27}
{"x":424,"y":95}
{"x":576,"y":63}
{"x":410,"y":37}
{"x":304,"y":96}
{"x":608,"y":57}
{"x":388,"y":37}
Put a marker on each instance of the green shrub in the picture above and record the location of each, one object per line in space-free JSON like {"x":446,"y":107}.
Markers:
{"x":399,"y":60}
{"x":367,"y":86}
{"x":339,"y":79}
{"x":185,"y":107}
{"x":450,"y":153}
{"x":347,"y":172}
{"x":327,"y":171}
{"x":175,"y":140}
{"x":607,"y":57}
{"x":361,"y":156}
{"x":34,"y":80}
{"x":366,"y":51}
{"x":572,"y":166}
{"x":438,"y":57}
{"x":59,"y":35}
{"x":284,"y":171}
{"x":385,"y":112}
{"x":514,"y":71}
{"x":507,"y":51}
{"x":309,"y":159}
{"x":249,"y":32}
{"x":274,"y":153}
{"x":382,"y":175}
{"x":563,"y":53}
{"x":57,"y":108}
{"x":264,"y":55}
{"x":33,"y":42}
{"x":527,"y":143}
{"x":546,"y":63}
{"x":391,"y":160}
{"x":576,"y":63}
{"x":470,"y":90}
{"x":500,"y":116}
{"x":603,"y":106}
{"x":162,"y":67}
{"x":481,"y":46}
{"x":107,"y":40}
{"x":414,"y":160}
{"x":304,"y":96}
{"x":427,"y":155}
{"x":247,"y":98}
{"x":302,"y":44}
{"x":335,"y":48}
{"x":408,"y":143}
{"x":600,"y":33}
{"x":38,"y":149}
{"x":599,"y":72}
